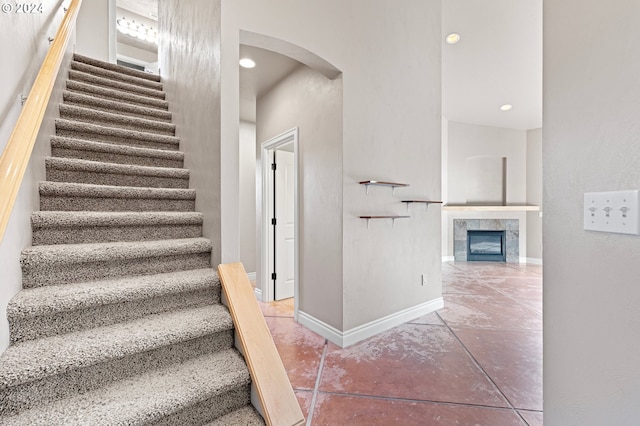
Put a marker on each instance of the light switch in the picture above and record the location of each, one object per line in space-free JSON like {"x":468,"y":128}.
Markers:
{"x":614,"y":211}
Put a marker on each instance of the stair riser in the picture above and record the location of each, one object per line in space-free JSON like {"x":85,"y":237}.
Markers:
{"x":56,"y":274}
{"x":108,"y":234}
{"x":117,"y":95}
{"x":123,"y":108}
{"x":108,"y":157}
{"x":49,"y":203}
{"x":114,"y":179}
{"x":117,"y":140}
{"x":115,"y":84}
{"x":28,"y":395}
{"x":148,"y":126}
{"x":114,"y":75}
{"x":209,"y":409}
{"x":29,"y":328}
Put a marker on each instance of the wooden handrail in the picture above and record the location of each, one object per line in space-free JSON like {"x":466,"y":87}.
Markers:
{"x":279,"y":403}
{"x":17,"y":152}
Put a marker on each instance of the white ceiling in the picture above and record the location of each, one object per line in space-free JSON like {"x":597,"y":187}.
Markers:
{"x":270,"y":69}
{"x":497,"y":61}
{"x":146,"y":8}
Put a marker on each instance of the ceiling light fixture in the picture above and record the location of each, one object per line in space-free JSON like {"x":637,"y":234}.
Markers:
{"x":506,"y":107}
{"x":139,"y":31}
{"x":247,"y":63}
{"x":453,"y":38}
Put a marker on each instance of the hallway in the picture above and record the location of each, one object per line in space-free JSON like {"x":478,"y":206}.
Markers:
{"x":477,"y":361}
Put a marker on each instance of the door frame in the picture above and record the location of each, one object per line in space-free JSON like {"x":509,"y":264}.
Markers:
{"x":266,"y":233}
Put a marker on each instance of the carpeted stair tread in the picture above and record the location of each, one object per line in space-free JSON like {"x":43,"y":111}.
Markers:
{"x":60,"y":309}
{"x":70,"y":254}
{"x":81,"y":227}
{"x":53,"y":264}
{"x":85,"y":171}
{"x":35,"y":359}
{"x":100,"y":133}
{"x":76,"y":98}
{"x":116,"y":95}
{"x":81,"y":196}
{"x":64,"y":219}
{"x":114,"y":67}
{"x":245,"y":416}
{"x":105,"y":191}
{"x":149,"y":397}
{"x":115,"y":75}
{"x":103,"y":118}
{"x":71,"y":297}
{"x":115,"y":84}
{"x":120,"y":154}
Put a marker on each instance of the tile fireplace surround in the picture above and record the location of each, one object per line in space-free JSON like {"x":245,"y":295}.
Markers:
{"x":511,"y":226}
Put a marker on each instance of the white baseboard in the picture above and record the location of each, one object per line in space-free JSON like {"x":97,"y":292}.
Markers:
{"x":357,"y":334}
{"x":251,"y":275}
{"x":325,"y":330}
{"x":448,"y":259}
{"x":258,"y":293}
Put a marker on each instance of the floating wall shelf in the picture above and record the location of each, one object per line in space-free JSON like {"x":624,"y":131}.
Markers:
{"x":425,"y":202}
{"x":392,"y":217}
{"x":393,"y":185}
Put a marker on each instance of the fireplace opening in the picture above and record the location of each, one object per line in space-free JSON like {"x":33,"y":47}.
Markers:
{"x":487,"y":246}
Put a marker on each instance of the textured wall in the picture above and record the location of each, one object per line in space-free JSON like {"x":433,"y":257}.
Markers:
{"x":534,"y":193}
{"x":248,"y":195}
{"x":189,"y":57}
{"x":469,"y":140}
{"x":309,"y":101}
{"x":23,"y":39}
{"x":591,"y":280}
{"x":96,"y":30}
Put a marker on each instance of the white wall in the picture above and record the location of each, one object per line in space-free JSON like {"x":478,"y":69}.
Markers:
{"x":96,"y":30}
{"x":248,"y":155}
{"x":391,"y":131}
{"x":591,"y":280}
{"x":136,"y":55}
{"x":23,"y":39}
{"x":534,"y":194}
{"x":308,"y":100}
{"x":470,"y":140}
{"x":191,"y":78}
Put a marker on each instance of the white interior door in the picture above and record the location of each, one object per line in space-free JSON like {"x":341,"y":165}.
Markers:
{"x":285,"y":223}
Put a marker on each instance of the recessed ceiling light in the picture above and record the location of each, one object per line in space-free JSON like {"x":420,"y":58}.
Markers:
{"x":453,"y":38}
{"x":247,"y":63}
{"x":506,"y":107}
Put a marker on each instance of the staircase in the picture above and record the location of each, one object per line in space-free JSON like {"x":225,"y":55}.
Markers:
{"x":120,"y":320}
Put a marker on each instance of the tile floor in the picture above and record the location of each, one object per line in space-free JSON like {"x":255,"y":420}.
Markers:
{"x":478,"y":361}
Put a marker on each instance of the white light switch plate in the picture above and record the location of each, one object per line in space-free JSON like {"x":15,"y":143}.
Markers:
{"x":614,"y":211}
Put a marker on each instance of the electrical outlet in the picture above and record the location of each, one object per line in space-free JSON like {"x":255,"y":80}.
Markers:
{"x":614,"y":211}
{"x":424,"y":279}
